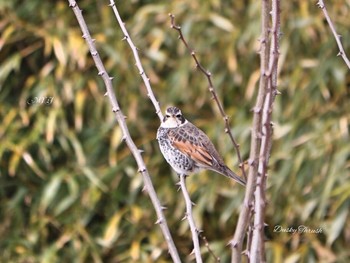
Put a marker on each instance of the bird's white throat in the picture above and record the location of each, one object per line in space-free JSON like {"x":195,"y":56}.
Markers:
{"x":172,"y":123}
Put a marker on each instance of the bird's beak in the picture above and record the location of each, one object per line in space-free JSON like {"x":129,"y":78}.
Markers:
{"x":174,"y":120}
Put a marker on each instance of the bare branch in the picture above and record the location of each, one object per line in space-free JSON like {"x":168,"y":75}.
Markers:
{"x":207,"y":245}
{"x":138,"y":64}
{"x":261,"y":141}
{"x":341,"y":53}
{"x":245,"y":214}
{"x":212,"y":91}
{"x":161,"y":220}
{"x":189,"y":217}
{"x":257,"y":250}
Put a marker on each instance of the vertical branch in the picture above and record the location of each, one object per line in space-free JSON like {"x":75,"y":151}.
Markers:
{"x":255,"y":200}
{"x":335,"y":34}
{"x":138,"y":64}
{"x":190,"y":219}
{"x":245,"y":214}
{"x":126,"y":135}
{"x":257,"y":250}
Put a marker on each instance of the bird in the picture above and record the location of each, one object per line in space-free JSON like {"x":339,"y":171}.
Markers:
{"x":188,"y":149}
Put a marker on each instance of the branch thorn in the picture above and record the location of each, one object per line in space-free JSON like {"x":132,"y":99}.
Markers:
{"x":141,"y":151}
{"x":159,"y":221}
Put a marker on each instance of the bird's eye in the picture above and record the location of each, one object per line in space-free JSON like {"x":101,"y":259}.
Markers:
{"x":178,"y":116}
{"x":167,"y":116}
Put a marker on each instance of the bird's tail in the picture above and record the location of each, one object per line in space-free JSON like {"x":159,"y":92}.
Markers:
{"x":234,"y":176}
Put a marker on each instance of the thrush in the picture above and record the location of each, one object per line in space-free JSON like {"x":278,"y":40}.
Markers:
{"x":187,"y":148}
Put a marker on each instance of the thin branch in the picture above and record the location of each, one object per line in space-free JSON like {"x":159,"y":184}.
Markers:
{"x":161,"y":220}
{"x":337,"y":37}
{"x":212,"y":91}
{"x":138,"y":64}
{"x":189,"y":217}
{"x":207,"y":245}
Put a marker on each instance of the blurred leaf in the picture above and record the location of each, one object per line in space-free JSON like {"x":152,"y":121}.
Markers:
{"x":135,"y":251}
{"x":72,"y":196}
{"x":78,"y":149}
{"x":59,"y":50}
{"x":51,"y":126}
{"x":10,"y":64}
{"x":94,"y":179}
{"x":337,"y":225}
{"x":32,"y":164}
{"x":112,"y":231}
{"x":294,"y":258}
{"x":80,"y":99}
{"x":14,"y":161}
{"x":221,"y":22}
{"x":50,"y":191}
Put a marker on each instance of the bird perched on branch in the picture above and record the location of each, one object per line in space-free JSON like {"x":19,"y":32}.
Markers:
{"x":188,"y":149}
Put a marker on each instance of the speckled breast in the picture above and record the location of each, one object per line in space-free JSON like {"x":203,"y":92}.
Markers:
{"x":178,"y":161}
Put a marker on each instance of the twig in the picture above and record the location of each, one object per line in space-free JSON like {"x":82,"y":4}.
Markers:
{"x":190,"y":219}
{"x":212,"y":91}
{"x":138,"y":64}
{"x":341,"y":53}
{"x":161,"y":220}
{"x":207,"y":245}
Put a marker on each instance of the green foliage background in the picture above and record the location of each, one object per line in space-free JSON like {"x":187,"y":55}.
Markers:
{"x":70,"y":191}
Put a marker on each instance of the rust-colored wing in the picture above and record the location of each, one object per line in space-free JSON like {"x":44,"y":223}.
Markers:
{"x":192,"y":142}
{"x":195,"y":152}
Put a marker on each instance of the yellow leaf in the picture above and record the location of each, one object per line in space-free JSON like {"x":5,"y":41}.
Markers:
{"x":59,"y":51}
{"x":135,"y":251}
{"x":79,"y":107}
{"x":111,"y":233}
{"x":221,"y":22}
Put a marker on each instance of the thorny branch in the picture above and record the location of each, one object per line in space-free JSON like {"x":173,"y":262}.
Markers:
{"x":137,"y":61}
{"x":337,"y":37}
{"x":189,"y":217}
{"x":255,"y":200}
{"x":257,"y":250}
{"x":161,"y":220}
{"x":212,"y":91}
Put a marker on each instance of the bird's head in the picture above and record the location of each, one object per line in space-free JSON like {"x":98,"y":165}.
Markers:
{"x":173,"y":118}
